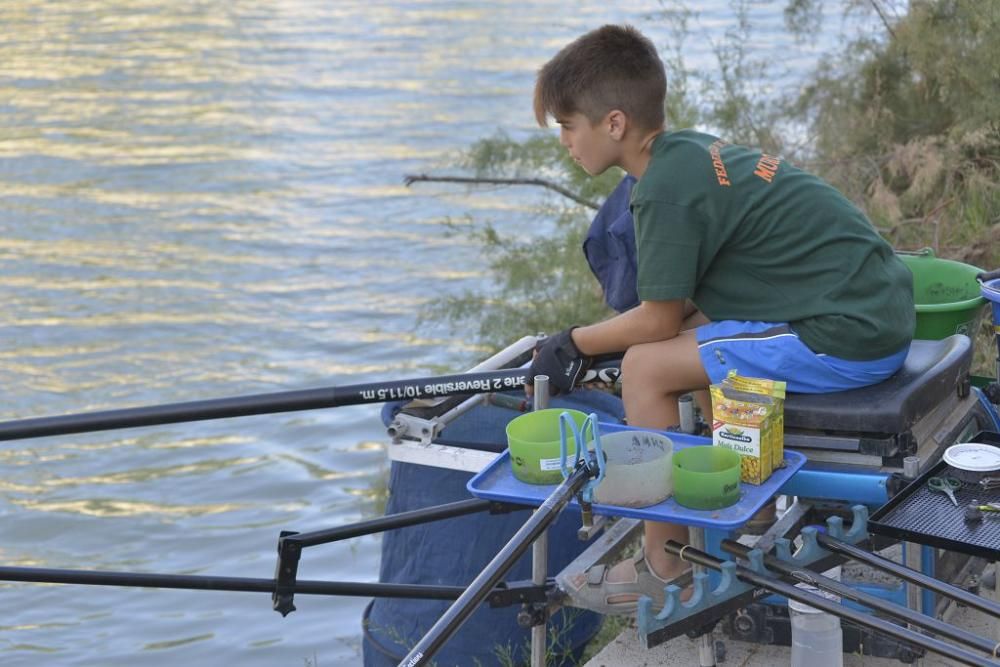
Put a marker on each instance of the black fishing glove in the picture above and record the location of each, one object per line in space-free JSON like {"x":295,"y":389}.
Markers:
{"x":558,"y":357}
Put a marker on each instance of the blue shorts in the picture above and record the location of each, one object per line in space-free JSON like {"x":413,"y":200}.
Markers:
{"x":772,"y":350}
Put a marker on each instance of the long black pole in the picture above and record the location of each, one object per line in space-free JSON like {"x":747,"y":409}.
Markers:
{"x":260,"y":404}
{"x":392,"y":521}
{"x":233,"y":584}
{"x":692,"y":555}
{"x":850,"y":593}
{"x":905,"y":573}
{"x":479,"y":589}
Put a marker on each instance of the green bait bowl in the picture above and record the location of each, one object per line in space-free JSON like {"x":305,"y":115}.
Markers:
{"x":533,"y":440}
{"x":706,"y":477}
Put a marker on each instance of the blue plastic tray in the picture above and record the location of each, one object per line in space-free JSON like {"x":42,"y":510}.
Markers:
{"x":497,"y":482}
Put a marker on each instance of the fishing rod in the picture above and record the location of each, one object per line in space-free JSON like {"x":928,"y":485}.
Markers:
{"x":913,"y":576}
{"x":44,"y":575}
{"x":792,"y":572}
{"x":260,"y":404}
{"x":437,"y":386}
{"x":689,"y":554}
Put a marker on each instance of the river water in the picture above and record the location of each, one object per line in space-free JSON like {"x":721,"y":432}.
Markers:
{"x":204,"y":199}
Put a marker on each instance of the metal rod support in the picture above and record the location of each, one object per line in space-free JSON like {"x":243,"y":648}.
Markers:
{"x":539,"y":574}
{"x":685,"y":408}
{"x":477,"y":591}
{"x":913,"y":576}
{"x":540,"y":547}
{"x":706,"y":645}
{"x":692,"y":555}
{"x":540,"y":395}
{"x":391,"y":521}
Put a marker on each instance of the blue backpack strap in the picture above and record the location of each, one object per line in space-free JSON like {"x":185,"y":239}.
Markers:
{"x":610,"y":248}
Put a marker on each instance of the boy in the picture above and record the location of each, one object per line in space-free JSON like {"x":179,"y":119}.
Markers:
{"x":743,"y":262}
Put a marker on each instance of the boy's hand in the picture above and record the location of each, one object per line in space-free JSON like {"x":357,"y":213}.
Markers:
{"x":558,"y":357}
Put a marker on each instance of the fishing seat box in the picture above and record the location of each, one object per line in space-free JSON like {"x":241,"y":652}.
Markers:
{"x":891,"y":419}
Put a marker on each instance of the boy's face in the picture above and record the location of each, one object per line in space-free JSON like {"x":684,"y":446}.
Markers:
{"x":592,"y":146}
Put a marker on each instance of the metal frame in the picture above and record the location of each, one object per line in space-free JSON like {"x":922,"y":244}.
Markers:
{"x":284,"y":586}
{"x":756,"y":575}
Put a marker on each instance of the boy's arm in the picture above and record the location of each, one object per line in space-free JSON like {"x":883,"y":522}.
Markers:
{"x":564,"y":356}
{"x":648,"y":322}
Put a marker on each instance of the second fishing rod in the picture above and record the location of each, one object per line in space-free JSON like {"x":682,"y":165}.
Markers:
{"x":793,"y":574}
{"x":772,"y":583}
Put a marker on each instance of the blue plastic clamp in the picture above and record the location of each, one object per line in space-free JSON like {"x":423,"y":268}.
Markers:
{"x":566,"y":423}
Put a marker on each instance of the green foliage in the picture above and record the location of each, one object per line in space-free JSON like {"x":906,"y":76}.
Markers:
{"x":736,"y":104}
{"x":541,"y":283}
{"x":909,"y":127}
{"x":681,"y":110}
{"x":802,"y":17}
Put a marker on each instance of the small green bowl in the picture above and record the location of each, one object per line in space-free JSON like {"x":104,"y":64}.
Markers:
{"x":706,"y":477}
{"x":533,"y":440}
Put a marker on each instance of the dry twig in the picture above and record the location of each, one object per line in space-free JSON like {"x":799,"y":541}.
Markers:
{"x":409,"y":179}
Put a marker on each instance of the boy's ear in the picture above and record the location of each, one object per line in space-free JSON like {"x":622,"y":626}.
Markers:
{"x":616,"y":121}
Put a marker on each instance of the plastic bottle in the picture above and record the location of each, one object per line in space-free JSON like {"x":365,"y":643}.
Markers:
{"x":817,"y":639}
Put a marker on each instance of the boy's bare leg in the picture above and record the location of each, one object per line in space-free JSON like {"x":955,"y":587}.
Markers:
{"x":695,"y":318}
{"x":654,"y":376}
{"x":704,"y":401}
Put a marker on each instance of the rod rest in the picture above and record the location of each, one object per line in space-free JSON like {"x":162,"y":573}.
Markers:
{"x":932,"y":370}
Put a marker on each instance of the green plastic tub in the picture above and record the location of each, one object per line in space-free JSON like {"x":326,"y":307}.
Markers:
{"x":706,"y":477}
{"x":946,"y":294}
{"x":533,"y":440}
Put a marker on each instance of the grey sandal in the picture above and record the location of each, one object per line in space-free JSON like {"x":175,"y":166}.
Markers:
{"x":592,"y":590}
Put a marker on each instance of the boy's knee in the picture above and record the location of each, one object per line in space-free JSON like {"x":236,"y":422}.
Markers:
{"x":665,"y":367}
{"x":636,"y":366}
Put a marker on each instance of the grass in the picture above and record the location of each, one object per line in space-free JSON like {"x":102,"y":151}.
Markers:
{"x":611,"y":627}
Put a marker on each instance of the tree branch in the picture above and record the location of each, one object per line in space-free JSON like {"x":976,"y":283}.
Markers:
{"x":409,"y":179}
{"x":881,"y":15}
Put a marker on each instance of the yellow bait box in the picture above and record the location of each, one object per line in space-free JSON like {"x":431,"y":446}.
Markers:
{"x":748,"y":418}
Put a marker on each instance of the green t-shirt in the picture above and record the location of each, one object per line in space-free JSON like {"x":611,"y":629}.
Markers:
{"x":747,"y":236}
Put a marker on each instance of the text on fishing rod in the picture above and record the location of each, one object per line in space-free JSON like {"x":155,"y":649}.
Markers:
{"x":476,"y":385}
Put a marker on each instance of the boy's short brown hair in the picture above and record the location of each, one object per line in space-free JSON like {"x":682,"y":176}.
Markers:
{"x":612,"y":67}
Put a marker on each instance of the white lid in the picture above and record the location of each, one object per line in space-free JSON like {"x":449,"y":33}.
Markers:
{"x":973,"y":456}
{"x":804,"y":608}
